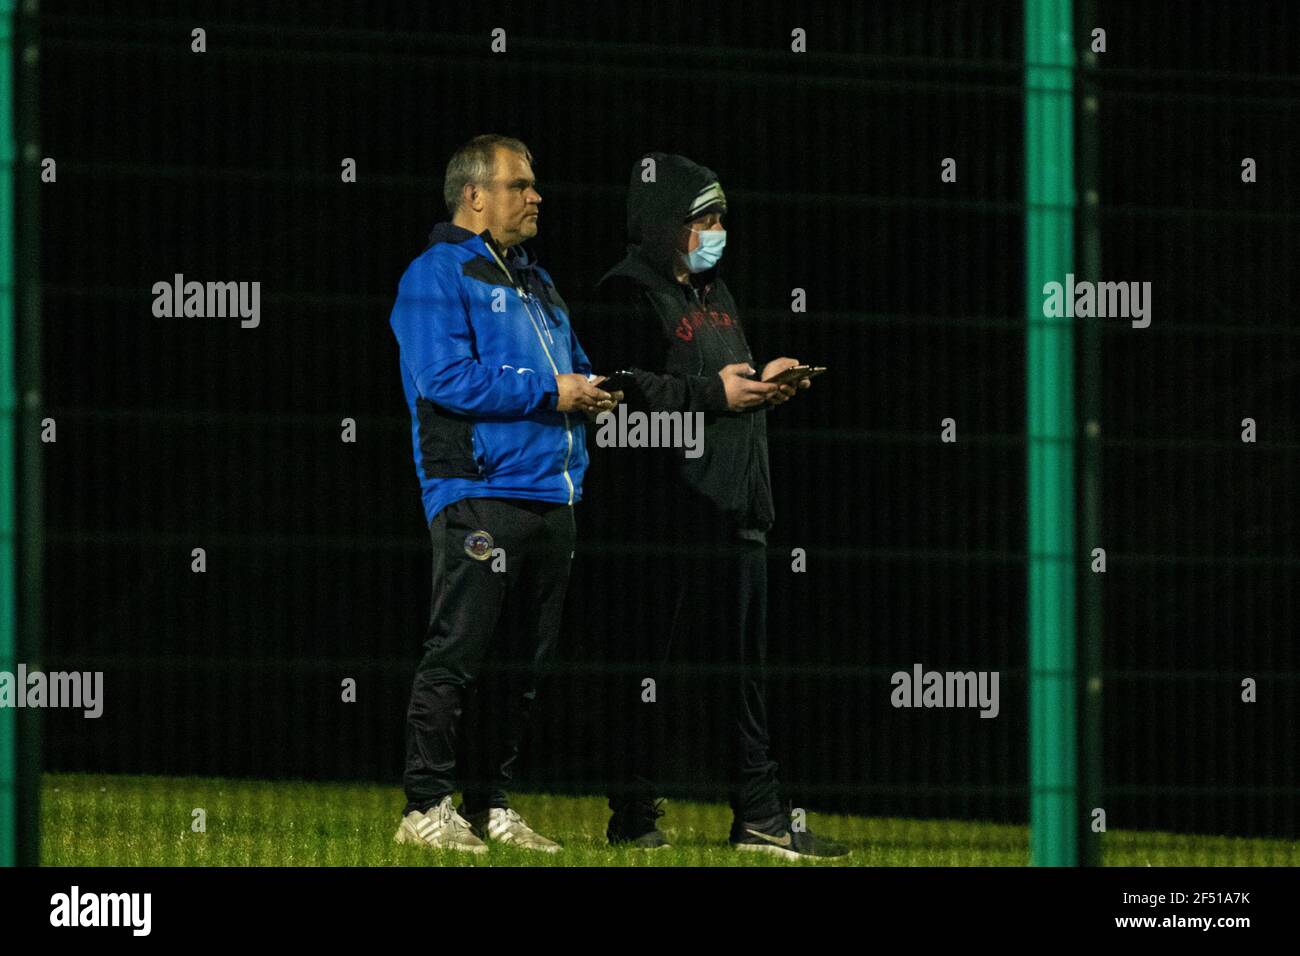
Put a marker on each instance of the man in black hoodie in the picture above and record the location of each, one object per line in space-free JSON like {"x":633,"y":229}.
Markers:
{"x":671,"y":321}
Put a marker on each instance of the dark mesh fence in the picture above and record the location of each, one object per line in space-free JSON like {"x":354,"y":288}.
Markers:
{"x":177,"y":434}
{"x":1198,"y":524}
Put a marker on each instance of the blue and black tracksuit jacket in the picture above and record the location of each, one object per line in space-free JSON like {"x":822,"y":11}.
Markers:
{"x":479,"y":348}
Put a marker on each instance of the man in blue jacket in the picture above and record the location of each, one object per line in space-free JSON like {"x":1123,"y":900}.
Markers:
{"x":498,"y":389}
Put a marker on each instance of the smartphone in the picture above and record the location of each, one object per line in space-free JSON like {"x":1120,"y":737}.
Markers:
{"x":795,"y":374}
{"x":617,"y":382}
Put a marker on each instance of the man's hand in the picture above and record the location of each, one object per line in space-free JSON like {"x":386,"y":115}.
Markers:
{"x":784,"y":392}
{"x":579,"y":395}
{"x":616,"y":396}
{"x":742,"y":392}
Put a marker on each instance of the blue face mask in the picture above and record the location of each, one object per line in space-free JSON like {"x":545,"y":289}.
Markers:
{"x":708,"y":252}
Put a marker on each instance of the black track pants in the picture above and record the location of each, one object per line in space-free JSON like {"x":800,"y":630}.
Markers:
{"x":705,"y":646}
{"x":489,"y":630}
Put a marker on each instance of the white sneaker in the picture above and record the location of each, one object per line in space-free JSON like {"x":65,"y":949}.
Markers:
{"x":440,"y":828}
{"x":507,"y":826}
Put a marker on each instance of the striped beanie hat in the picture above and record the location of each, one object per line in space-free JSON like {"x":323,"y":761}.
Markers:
{"x":709,"y":199}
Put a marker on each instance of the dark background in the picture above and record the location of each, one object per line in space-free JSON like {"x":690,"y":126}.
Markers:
{"x":183,"y":433}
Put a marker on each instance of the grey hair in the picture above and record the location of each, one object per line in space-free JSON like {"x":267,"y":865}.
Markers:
{"x":473,"y":164}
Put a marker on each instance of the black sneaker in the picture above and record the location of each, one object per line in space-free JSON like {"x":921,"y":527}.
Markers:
{"x":634,"y":823}
{"x":775,"y":836}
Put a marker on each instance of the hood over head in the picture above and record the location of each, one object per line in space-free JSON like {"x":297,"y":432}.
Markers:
{"x":657,"y":210}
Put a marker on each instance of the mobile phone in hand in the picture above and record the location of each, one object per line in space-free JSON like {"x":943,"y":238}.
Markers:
{"x":617,"y":382}
{"x":796,"y":373}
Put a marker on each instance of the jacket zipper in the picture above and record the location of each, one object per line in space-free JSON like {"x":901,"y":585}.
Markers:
{"x":523,"y":297}
{"x":568,"y":430}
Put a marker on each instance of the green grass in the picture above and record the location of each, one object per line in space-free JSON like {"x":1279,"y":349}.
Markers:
{"x":146,"y":821}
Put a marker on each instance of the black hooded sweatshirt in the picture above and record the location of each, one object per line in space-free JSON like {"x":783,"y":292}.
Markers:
{"x":675,"y":338}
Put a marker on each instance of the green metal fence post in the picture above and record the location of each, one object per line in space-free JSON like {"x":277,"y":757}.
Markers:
{"x":21,"y":517}
{"x":1050,"y":435}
